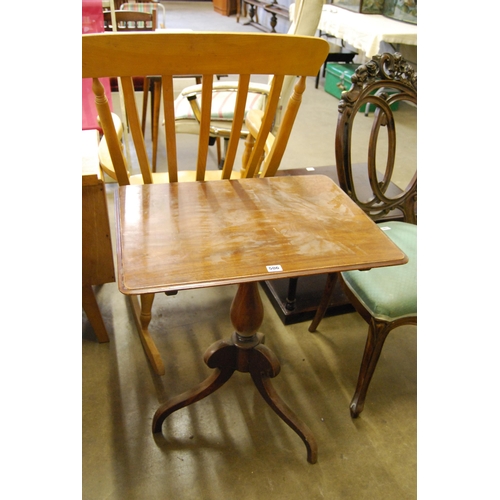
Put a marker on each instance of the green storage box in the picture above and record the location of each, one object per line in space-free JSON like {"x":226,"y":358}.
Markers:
{"x":338,"y":79}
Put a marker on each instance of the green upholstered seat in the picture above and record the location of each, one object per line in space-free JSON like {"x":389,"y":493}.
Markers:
{"x":389,"y":293}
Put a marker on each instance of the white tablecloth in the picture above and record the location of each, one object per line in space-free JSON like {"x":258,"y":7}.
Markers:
{"x":365,"y":31}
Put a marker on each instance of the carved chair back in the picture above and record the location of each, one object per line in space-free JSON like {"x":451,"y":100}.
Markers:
{"x":381,"y":85}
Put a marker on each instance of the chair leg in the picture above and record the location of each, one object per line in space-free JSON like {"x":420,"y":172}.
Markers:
{"x":331,"y":281}
{"x":142,"y":315}
{"x":219,"y":153}
{"x":377,"y":333}
{"x":321,"y":71}
{"x":93,"y":313}
{"x":291,"y":294}
{"x":224,"y":152}
{"x":249,"y":142}
{"x":247,"y":152}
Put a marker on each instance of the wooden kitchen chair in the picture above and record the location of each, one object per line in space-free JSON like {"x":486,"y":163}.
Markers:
{"x":140,"y":18}
{"x":169,"y":54}
{"x":130,"y":20}
{"x":146,"y":7}
{"x":385,"y":297}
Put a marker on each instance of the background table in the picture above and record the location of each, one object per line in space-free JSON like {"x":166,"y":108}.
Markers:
{"x":365,"y":32}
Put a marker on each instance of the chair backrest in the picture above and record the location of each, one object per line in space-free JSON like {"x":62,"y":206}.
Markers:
{"x":145,"y":7}
{"x":126,"y":55}
{"x":385,"y":83}
{"x":130,"y":20}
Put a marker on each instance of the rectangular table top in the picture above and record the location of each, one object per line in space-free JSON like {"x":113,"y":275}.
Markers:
{"x":198,"y":234}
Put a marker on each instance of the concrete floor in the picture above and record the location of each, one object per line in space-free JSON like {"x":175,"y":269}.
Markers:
{"x":231,"y":444}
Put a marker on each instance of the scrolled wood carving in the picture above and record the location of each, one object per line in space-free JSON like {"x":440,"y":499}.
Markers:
{"x":381,"y":67}
{"x":386,"y":66}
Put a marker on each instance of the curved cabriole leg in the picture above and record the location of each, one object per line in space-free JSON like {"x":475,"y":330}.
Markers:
{"x":377,"y":333}
{"x":223,"y":357}
{"x":263,"y":367}
{"x":331,"y":281}
{"x":207,"y":387}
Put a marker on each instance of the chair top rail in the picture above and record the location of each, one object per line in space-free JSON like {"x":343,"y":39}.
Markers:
{"x":207,"y":54}
{"x":181,"y":53}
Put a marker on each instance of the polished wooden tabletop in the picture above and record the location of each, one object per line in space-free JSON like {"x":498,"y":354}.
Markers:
{"x":197,"y":234}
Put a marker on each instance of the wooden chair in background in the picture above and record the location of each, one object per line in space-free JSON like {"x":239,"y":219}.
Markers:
{"x":386,"y":297}
{"x":138,"y":19}
{"x":170,"y":54}
{"x":305,"y":23}
{"x":130,"y":20}
{"x":146,"y":7}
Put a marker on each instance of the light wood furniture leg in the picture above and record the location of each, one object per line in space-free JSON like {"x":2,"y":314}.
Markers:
{"x":142,"y":317}
{"x":249,"y":144}
{"x":91,"y":308}
{"x":244,"y":352}
{"x":156,"y":100}
{"x":97,"y":252}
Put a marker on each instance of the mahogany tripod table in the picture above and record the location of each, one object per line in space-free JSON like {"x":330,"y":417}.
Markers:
{"x":187,"y":235}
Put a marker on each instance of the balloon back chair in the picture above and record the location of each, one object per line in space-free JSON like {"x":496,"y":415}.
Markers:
{"x":125,"y":55}
{"x":386,"y":297}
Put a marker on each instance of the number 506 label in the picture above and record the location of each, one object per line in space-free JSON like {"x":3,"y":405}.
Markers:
{"x":274,"y":269}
